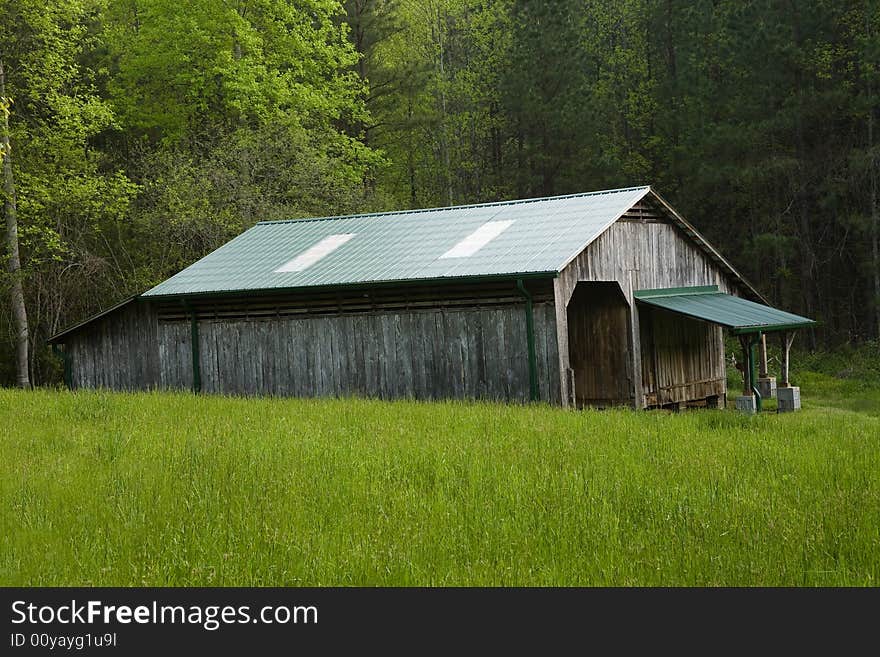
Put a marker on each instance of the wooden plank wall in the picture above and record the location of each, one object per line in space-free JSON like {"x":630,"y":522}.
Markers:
{"x":441,"y":353}
{"x":175,"y":355}
{"x":118,"y":351}
{"x":682,"y":359}
{"x":643,"y":250}
{"x":385,"y":344}
{"x":643,"y":256}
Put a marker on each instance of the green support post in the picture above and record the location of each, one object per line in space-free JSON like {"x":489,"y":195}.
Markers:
{"x":752,"y":382}
{"x":749,"y":383}
{"x":65,"y":365}
{"x":194,"y":341}
{"x":530,"y":340}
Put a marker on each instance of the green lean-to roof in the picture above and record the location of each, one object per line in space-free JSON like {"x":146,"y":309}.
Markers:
{"x":707,"y":303}
{"x":537,"y":236}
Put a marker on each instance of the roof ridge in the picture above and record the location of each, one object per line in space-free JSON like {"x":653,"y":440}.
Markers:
{"x":489,"y":204}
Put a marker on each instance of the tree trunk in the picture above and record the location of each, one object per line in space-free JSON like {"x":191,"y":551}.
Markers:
{"x":875,"y":219}
{"x":875,"y":225}
{"x":674,"y":102}
{"x":800,"y":185}
{"x":444,"y":136}
{"x":16,"y":292}
{"x":410,"y":161}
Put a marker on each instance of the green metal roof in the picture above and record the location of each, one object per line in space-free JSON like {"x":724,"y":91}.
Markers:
{"x":537,"y":236}
{"x":707,"y":303}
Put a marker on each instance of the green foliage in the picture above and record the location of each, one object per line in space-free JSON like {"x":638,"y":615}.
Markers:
{"x":754,"y":119}
{"x":69,"y":192}
{"x":175,"y":489}
{"x":63,"y":182}
{"x":199,"y":203}
{"x":235,"y":112}
{"x":180,"y":70}
{"x":858,"y":363}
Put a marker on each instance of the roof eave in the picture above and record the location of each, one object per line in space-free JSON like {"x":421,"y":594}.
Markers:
{"x":771,"y":328}
{"x":57,"y":338}
{"x":357,"y":285}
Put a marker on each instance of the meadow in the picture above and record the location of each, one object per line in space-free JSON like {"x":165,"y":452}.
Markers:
{"x":113,"y":489}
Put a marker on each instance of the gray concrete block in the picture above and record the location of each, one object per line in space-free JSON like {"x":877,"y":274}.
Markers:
{"x":767,"y":387}
{"x":746,"y":404}
{"x":789,"y":399}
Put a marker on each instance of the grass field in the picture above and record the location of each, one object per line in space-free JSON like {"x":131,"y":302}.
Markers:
{"x":176,"y":489}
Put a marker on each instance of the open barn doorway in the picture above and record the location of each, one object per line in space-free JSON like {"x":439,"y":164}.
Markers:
{"x":600,"y":345}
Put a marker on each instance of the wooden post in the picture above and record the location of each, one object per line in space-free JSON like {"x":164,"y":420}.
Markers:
{"x":789,"y":396}
{"x":635,"y":341}
{"x":566,"y":373}
{"x":571,"y":401}
{"x":762,"y":372}
{"x":787,"y":338}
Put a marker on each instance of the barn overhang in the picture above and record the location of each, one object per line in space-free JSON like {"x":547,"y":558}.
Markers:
{"x":748,"y":320}
{"x":706,"y":303}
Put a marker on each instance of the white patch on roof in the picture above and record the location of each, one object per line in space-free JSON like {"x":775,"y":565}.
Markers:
{"x":311,"y":255}
{"x":478,"y":239}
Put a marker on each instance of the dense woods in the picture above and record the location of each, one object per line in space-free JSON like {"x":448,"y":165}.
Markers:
{"x":137,"y":135}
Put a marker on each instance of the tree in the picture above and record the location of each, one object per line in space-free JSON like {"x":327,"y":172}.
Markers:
{"x":59,"y":193}
{"x":16,"y":290}
{"x":234,"y":112}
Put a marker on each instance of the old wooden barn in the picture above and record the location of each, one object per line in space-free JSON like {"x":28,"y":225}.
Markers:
{"x":588,"y":299}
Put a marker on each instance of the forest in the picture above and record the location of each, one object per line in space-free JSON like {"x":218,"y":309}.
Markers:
{"x":138,"y":135}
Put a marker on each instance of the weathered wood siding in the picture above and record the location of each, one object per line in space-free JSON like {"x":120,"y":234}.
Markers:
{"x":643,"y":254}
{"x":441,"y":353}
{"x":118,"y":351}
{"x":682,"y":359}
{"x":175,"y":355}
{"x":414,"y":343}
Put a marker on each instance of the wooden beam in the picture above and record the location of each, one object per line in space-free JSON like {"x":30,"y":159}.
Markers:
{"x":786,"y":337}
{"x":566,"y":374}
{"x":635,"y":344}
{"x":762,"y":372}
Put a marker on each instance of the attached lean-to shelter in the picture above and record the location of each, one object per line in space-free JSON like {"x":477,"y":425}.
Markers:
{"x":573,"y":300}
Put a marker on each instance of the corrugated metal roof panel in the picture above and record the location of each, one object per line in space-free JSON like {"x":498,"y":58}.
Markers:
{"x":543,"y":236}
{"x":707,"y":303}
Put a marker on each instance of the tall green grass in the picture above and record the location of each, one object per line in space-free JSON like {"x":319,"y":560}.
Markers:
{"x":175,"y":489}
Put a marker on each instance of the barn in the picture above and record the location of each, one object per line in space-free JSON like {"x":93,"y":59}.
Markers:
{"x":594,"y":299}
